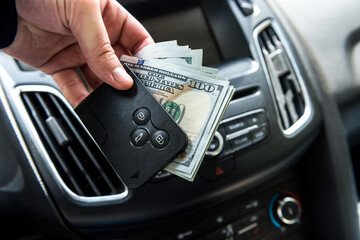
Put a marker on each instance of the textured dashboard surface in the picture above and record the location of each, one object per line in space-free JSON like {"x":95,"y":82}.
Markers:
{"x":333,"y":38}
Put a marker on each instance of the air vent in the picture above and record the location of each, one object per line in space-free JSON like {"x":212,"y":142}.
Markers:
{"x":77,"y":159}
{"x":290,"y":95}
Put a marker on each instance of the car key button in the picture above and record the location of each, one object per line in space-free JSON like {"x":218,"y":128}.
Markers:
{"x":160,"y":139}
{"x":141,"y":116}
{"x":139,"y":137}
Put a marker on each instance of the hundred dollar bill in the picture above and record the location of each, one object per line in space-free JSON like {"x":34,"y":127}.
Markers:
{"x":192,"y":175}
{"x":187,"y":56}
{"x":171,"y":52}
{"x":161,"y":51}
{"x":196,"y":102}
{"x":159,"y":45}
{"x":205,"y":71}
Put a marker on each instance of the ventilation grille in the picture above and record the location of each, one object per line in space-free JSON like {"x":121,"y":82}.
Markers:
{"x":288,"y":93}
{"x":79,"y":162}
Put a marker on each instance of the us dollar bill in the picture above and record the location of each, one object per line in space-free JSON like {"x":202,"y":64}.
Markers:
{"x":170,"y":52}
{"x":196,"y":101}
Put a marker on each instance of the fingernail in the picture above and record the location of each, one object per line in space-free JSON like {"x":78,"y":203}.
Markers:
{"x":121,"y":76}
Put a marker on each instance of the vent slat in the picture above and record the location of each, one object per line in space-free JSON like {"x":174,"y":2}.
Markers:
{"x":269,"y":45}
{"x":86,"y":148}
{"x":288,"y":94}
{"x":79,"y":162}
{"x":83,"y":171}
{"x":56,"y":152}
{"x":45,"y":107}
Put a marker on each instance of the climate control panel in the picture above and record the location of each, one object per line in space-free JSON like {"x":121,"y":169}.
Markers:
{"x":272,"y":215}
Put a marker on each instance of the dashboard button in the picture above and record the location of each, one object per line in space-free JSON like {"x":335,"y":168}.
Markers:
{"x":250,"y":206}
{"x":236,"y":125}
{"x":259,"y":216}
{"x":218,"y":171}
{"x":183,"y":234}
{"x":187,"y":233}
{"x":216,"y":145}
{"x":260,"y":133}
{"x":261,"y":229}
{"x":227,"y":231}
{"x":241,"y":142}
{"x":256,"y":118}
{"x":218,"y":220}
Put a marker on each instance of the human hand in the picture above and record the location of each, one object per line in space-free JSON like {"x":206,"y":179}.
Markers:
{"x":56,"y":36}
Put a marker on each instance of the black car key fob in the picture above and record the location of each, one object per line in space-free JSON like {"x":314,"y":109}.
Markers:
{"x":137,"y":136}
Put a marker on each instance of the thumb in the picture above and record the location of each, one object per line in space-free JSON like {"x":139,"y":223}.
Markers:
{"x":87,"y":25}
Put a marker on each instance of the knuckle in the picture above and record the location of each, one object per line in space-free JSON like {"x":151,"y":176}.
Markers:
{"x":104,"y":50}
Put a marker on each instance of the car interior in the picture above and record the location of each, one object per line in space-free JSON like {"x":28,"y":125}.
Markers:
{"x":283,"y":163}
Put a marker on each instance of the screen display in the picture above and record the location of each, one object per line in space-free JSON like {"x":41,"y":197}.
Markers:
{"x":185,"y":23}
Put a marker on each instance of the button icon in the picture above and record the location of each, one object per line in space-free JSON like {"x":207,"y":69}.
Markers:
{"x":160,"y":139}
{"x":219,"y":171}
{"x":141,"y":116}
{"x":139,"y":137}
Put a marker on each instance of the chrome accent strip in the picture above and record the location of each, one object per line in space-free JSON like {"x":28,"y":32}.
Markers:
{"x":14,"y":93}
{"x":242,"y":115}
{"x":219,"y":148}
{"x":279,"y":211}
{"x":241,"y":132}
{"x":308,"y":111}
{"x":247,"y":228}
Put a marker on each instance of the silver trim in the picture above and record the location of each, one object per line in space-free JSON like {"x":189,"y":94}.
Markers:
{"x":241,"y":132}
{"x":308,"y":111}
{"x":244,"y":131}
{"x":14,"y":93}
{"x":247,"y":228}
{"x":219,"y":148}
{"x":242,"y":115}
{"x":280,"y":207}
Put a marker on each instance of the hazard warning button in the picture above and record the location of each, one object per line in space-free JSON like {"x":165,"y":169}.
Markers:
{"x":218,"y":171}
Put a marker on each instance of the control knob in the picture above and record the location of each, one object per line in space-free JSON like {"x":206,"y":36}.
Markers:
{"x":215,"y":146}
{"x":285,"y":209}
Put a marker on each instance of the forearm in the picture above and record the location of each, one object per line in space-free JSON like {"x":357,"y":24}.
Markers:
{"x":8,"y":22}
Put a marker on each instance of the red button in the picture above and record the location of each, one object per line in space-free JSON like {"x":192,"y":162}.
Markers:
{"x":218,"y":171}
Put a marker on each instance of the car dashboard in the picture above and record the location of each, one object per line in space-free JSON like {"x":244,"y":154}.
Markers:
{"x":282,"y":164}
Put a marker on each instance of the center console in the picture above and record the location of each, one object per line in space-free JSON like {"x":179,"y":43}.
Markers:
{"x":248,"y":186}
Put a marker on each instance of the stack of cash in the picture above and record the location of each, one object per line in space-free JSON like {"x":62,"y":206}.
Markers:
{"x":194,"y":96}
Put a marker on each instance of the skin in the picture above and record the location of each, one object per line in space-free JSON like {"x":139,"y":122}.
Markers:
{"x":57,"y":36}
